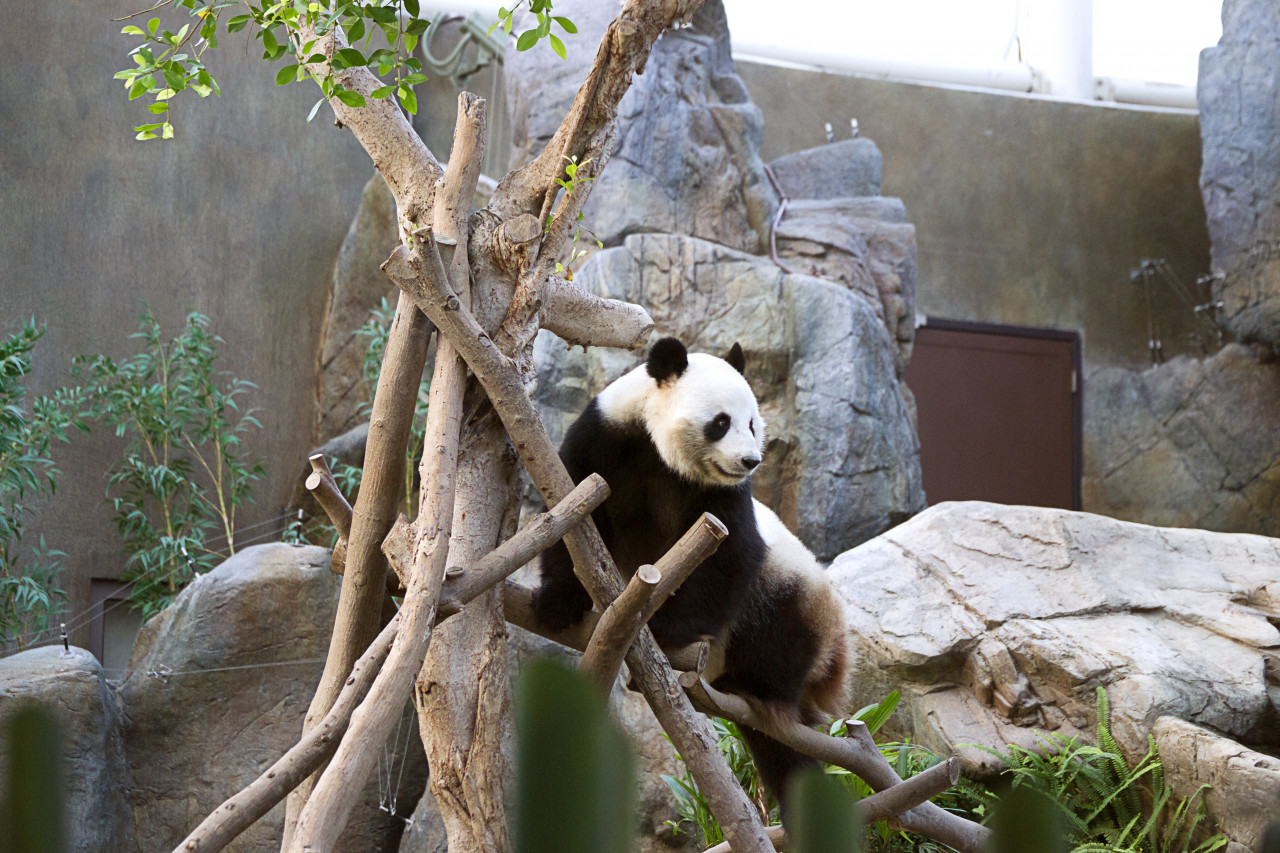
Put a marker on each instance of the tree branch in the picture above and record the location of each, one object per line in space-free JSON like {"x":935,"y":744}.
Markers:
{"x":587,"y":134}
{"x":632,"y":610}
{"x":240,"y":811}
{"x":339,"y":787}
{"x":363,"y":590}
{"x":689,"y":731}
{"x":321,"y":484}
{"x":857,"y":753}
{"x":586,"y":320}
{"x":397,"y":151}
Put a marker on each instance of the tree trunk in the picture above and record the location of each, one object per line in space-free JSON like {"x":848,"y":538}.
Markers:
{"x":463,"y":693}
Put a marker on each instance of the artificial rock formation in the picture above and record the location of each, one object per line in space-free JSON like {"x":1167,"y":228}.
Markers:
{"x":71,"y":685}
{"x":217,"y":688}
{"x":1188,"y":443}
{"x":842,"y":458}
{"x":357,"y":287}
{"x":687,"y":155}
{"x":1240,"y":176}
{"x":995,"y":621}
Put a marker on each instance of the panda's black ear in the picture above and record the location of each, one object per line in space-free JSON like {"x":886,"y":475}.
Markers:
{"x":667,"y":359}
{"x":736,"y":359}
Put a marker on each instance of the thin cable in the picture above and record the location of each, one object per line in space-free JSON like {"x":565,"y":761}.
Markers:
{"x":164,"y":673}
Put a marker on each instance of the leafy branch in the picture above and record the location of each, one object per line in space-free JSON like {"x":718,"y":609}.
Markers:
{"x":542,"y":10}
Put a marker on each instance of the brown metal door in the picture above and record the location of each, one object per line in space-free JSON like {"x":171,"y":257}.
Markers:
{"x":999,"y":413}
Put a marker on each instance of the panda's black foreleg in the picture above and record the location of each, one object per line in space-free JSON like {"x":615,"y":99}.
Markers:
{"x":560,"y":601}
{"x":776,"y":764}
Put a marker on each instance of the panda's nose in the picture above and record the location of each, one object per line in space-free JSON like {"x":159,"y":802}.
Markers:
{"x":750,"y":462}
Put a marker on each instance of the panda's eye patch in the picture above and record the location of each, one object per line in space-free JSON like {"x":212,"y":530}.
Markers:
{"x":751,"y":425}
{"x":717,"y":428}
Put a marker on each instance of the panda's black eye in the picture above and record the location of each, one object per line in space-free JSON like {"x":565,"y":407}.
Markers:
{"x":717,"y":428}
{"x":751,"y":425}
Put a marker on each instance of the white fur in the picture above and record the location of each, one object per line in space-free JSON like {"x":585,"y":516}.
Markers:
{"x":676,"y":414}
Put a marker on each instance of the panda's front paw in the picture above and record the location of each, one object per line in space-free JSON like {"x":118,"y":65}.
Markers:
{"x":558,"y":607}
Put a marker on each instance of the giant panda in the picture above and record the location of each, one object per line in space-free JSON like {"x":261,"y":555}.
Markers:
{"x":676,"y":437}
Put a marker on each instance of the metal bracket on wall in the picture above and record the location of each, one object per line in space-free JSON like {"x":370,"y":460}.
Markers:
{"x":475,"y":31}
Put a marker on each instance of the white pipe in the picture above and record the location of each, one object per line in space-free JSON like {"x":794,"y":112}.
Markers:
{"x":1058,"y":40}
{"x":1007,"y":76}
{"x":1143,"y":92}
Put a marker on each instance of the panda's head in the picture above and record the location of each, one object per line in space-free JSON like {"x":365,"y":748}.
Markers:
{"x":699,"y":411}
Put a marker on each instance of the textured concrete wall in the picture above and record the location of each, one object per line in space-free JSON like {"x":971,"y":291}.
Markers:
{"x":1027,"y":211}
{"x":240,"y":217}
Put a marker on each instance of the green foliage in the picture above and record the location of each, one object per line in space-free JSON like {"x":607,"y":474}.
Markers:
{"x":575,"y":774}
{"x":185,"y":471}
{"x":822,"y":818}
{"x":167,"y":63}
{"x":33,"y":815}
{"x":27,"y":574}
{"x":542,"y":10}
{"x":570,"y":183}
{"x":1108,"y":805}
{"x":692,"y":812}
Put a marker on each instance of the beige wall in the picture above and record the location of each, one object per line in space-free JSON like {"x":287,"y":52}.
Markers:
{"x":1028,"y":211}
{"x":240,"y":217}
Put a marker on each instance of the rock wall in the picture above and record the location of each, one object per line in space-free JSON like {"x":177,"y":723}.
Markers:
{"x":842,"y":458}
{"x":687,"y":155}
{"x":72,"y":687}
{"x":995,"y":621}
{"x":1188,"y":443}
{"x":218,"y":686}
{"x":1240,"y":177}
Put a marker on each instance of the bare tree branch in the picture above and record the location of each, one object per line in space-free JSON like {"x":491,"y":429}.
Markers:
{"x":359,"y":615}
{"x":339,"y":787}
{"x":622,"y":621}
{"x":397,"y":151}
{"x":321,"y":484}
{"x":586,"y":320}
{"x":857,"y":753}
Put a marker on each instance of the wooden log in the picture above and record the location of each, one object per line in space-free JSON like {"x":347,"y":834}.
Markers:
{"x":622,"y":621}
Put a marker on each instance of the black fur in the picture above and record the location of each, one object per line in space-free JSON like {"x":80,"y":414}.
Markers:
{"x":648,"y":509}
{"x":737,"y":360}
{"x":667,"y":359}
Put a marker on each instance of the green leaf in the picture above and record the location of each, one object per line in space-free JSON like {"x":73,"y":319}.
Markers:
{"x":418,"y":26}
{"x":269,"y":40}
{"x":157,"y":109}
{"x":287,"y":74}
{"x":414,"y":79}
{"x":410,"y":42}
{"x":153,"y":25}
{"x":131,"y":30}
{"x":411,"y":6}
{"x":138,"y":89}
{"x":527,"y":39}
{"x":350,"y":98}
{"x":382,"y":92}
{"x":315,"y":109}
{"x":349,"y":57}
{"x":382,"y":14}
{"x":557,"y":46}
{"x":238,"y":23}
{"x":356,"y":31}
{"x":566,"y":25}
{"x":408,"y":100}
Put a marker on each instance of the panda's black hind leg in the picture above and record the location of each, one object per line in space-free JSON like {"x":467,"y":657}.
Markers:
{"x":776,"y":764}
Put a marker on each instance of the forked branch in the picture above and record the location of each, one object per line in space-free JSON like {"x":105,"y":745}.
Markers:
{"x":859,"y":754}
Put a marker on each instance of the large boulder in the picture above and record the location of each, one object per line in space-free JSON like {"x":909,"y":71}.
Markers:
{"x":72,"y":687}
{"x":218,"y":685}
{"x":842,"y":457}
{"x":995,"y":621}
{"x":687,"y":155}
{"x":1240,"y":175}
{"x":865,"y":244}
{"x":1188,"y":443}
